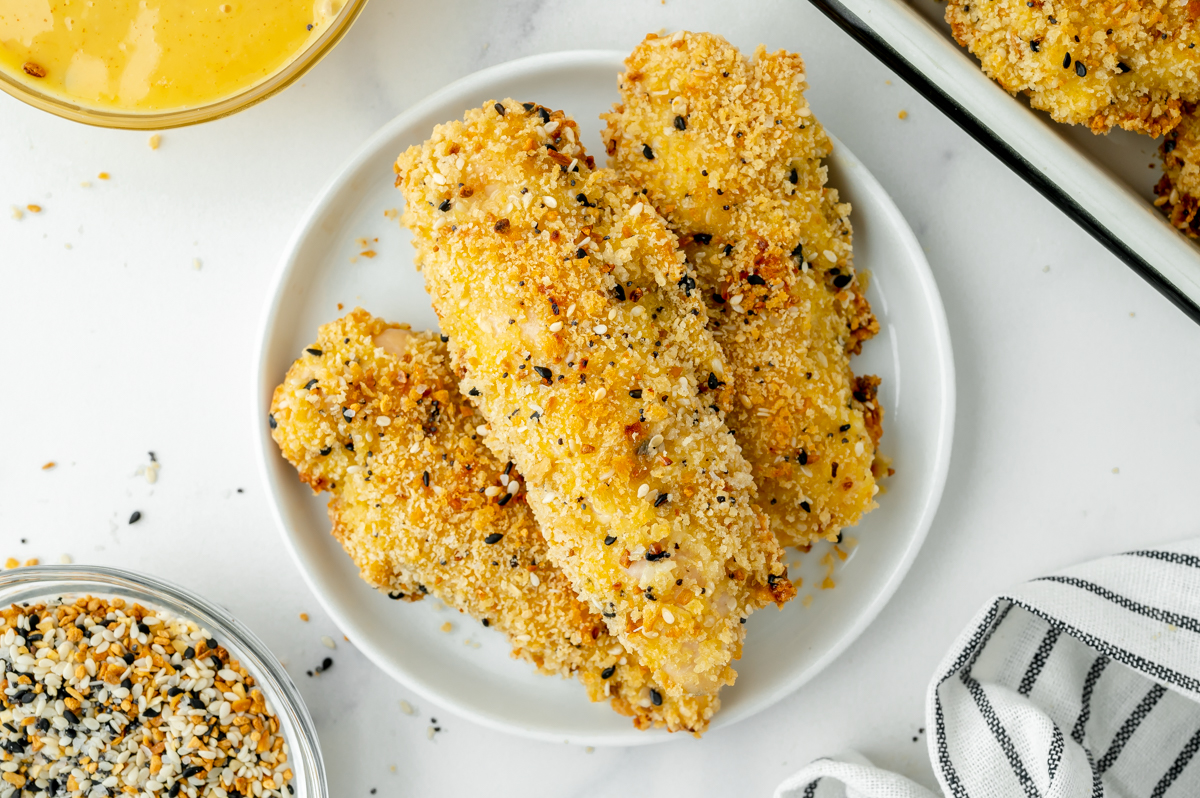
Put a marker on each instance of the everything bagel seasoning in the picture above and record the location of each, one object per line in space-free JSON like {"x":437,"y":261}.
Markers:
{"x":102,"y":698}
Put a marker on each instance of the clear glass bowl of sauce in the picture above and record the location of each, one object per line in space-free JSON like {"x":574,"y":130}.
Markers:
{"x":153,"y":64}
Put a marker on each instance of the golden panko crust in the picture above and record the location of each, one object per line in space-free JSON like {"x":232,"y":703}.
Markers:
{"x":1179,"y":189}
{"x":371,"y":412}
{"x":1125,"y":63}
{"x":729,"y":152}
{"x":573,"y":321}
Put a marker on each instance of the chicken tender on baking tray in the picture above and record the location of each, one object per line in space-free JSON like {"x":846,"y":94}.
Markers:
{"x":371,"y":413}
{"x":578,"y":332}
{"x":729,"y":152}
{"x":1179,"y":189}
{"x":1125,"y":63}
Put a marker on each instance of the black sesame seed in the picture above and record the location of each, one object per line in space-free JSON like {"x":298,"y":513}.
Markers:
{"x":843,"y":428}
{"x":504,"y":499}
{"x":655,"y":697}
{"x":1169,"y":146}
{"x":326,"y":450}
{"x":755,"y":279}
{"x":1035,"y":45}
{"x":309,"y":385}
{"x":608,"y":541}
{"x":127,"y":683}
{"x":649,"y":153}
{"x":713,"y":382}
{"x":688,"y":284}
{"x":702,"y":238}
{"x":1066,"y":61}
{"x":43,"y":724}
{"x":794,"y":177}
{"x":188,"y":653}
{"x":636,"y":393}
{"x":662,"y":499}
{"x":493,"y":538}
{"x":151,"y":713}
{"x":499,"y":108}
{"x":137,"y":516}
{"x":1080,"y":69}
{"x":313,"y":351}
{"x":191,"y":770}
{"x":1123,"y":67}
{"x":544,"y":114}
{"x":580,"y":253}
{"x":842,"y":280}
{"x":544,"y":372}
{"x":680,"y":123}
{"x":445,"y":206}
{"x":271,"y":420}
{"x":620,"y":292}
{"x":662,"y":555}
{"x":174,"y":691}
{"x":425,"y":478}
{"x":608,"y":672}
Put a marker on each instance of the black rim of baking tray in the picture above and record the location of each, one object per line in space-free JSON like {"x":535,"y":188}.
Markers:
{"x":868,"y":38}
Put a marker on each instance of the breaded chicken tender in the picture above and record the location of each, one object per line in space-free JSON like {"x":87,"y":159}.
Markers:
{"x":729,"y":152}
{"x":1124,"y":63}
{"x":577,"y":331}
{"x":1179,"y":189}
{"x":371,"y":413}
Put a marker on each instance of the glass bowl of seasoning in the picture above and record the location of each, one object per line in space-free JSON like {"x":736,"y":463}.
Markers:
{"x":154,"y":64}
{"x":115,"y":682}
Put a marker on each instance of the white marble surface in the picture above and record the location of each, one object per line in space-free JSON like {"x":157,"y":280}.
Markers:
{"x":1069,"y":367}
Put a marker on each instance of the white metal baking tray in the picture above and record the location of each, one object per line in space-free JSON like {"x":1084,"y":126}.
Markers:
{"x":1102,"y":182}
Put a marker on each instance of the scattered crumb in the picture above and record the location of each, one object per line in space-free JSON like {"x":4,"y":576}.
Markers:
{"x":1116,"y":471}
{"x":104,"y":176}
{"x":65,"y":559}
{"x":12,"y":562}
{"x":1046,"y":268}
{"x":903,"y":114}
{"x":407,"y":709}
{"x":368,"y":253}
{"x":68,"y":246}
{"x":392,"y":768}
{"x":196,"y":264}
{"x":430,"y":732}
{"x":888,"y":82}
{"x":807,"y":600}
{"x":327,"y":641}
{"x":18,"y":214}
{"x":34,"y":208}
{"x":86,"y":184}
{"x":341,"y":306}
{"x":31,"y":561}
{"x":154,"y":141}
{"x":49,"y":465}
{"x":304,"y":617}
{"x":590,"y":749}
{"x":447,"y":626}
{"x":392,"y":213}
{"x":1132,"y":314}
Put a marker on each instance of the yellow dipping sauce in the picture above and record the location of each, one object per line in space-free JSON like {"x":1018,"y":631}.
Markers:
{"x":151,"y":56}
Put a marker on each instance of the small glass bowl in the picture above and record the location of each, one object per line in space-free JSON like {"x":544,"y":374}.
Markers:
{"x":41,"y":582}
{"x":130,"y":120}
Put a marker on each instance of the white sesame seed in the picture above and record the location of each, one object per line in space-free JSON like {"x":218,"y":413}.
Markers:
{"x":549,"y":201}
{"x":493,"y":490}
{"x":656,"y":441}
{"x":643,"y":490}
{"x":829,"y":256}
{"x":533,"y":580}
{"x":667,"y":615}
{"x":383,"y":421}
{"x":327,"y":641}
{"x":600,"y":329}
{"x":600,"y":392}
{"x":556,"y":326}
{"x":481,"y":429}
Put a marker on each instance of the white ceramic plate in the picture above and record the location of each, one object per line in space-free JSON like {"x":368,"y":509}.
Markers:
{"x":322,"y":267}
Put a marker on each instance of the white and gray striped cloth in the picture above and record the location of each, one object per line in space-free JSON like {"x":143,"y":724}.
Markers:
{"x":1085,"y":683}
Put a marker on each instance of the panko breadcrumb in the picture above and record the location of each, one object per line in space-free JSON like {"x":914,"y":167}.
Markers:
{"x":1124,"y":63}
{"x":580,"y":334}
{"x":729,"y":152}
{"x":371,"y":412}
{"x":1179,"y":189}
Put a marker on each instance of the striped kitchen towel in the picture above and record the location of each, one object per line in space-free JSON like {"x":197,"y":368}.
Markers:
{"x":1085,"y":683}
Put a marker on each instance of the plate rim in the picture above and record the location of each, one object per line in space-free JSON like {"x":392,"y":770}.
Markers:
{"x":263,"y":385}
